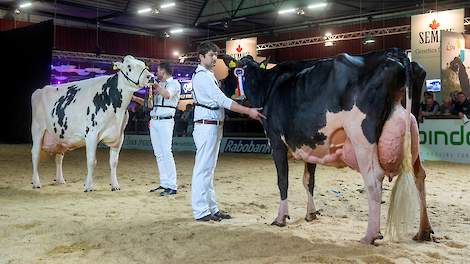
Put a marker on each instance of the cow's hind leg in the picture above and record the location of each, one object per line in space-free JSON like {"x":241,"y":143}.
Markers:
{"x":37,"y":135}
{"x":59,"y":176}
{"x":425,"y":230}
{"x":282,"y":168}
{"x":91,"y":162}
{"x":309,"y":184}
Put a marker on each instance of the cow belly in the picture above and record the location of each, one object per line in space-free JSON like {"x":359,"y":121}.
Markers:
{"x":330,"y":154}
{"x":52,"y":145}
{"x":390,"y":147}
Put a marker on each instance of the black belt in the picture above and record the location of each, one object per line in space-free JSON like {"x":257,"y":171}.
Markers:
{"x":208,"y":107}
{"x":161,"y":117}
{"x":209,"y":122}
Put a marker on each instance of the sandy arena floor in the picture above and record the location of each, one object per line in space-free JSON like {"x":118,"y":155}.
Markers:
{"x":62,"y":224}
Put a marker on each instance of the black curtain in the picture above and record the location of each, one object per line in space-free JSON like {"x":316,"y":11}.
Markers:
{"x":26,"y":66}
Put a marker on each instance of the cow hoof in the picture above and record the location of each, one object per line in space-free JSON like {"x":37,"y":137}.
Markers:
{"x":310,"y":217}
{"x":380,"y":236}
{"x":115,"y":189}
{"x":424,"y":236}
{"x":36,"y":186}
{"x":88,"y":190}
{"x":368,"y":241}
{"x":281,"y":223}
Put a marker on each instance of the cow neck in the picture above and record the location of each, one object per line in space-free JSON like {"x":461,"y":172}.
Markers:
{"x":126,"y":91}
{"x":262,"y":85}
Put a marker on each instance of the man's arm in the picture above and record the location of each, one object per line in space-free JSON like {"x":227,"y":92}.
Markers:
{"x":251,"y":112}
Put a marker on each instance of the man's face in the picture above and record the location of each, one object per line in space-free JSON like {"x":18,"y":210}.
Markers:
{"x":461,"y":98}
{"x":209,"y":59}
{"x":160,"y":73}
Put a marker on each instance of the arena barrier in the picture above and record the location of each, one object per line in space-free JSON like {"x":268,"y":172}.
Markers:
{"x":440,"y":139}
{"x":228,"y":144}
{"x":445,"y":139}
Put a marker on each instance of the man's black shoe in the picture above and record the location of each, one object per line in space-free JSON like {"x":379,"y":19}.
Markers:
{"x":206,"y":218}
{"x":167,"y":192}
{"x":158,"y":188}
{"x":222,"y":215}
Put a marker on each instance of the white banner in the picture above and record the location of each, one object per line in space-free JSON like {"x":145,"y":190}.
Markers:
{"x":445,"y":139}
{"x":425,"y":38}
{"x":241,"y":47}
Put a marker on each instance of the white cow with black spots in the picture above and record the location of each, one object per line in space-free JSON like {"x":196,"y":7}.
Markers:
{"x":84,"y":113}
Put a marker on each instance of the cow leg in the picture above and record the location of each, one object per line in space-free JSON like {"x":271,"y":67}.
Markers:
{"x":91,"y":162}
{"x":282,"y":168}
{"x":113,"y":162}
{"x":373,"y":174}
{"x":425,"y":230}
{"x":37,"y":135}
{"x":309,"y":183}
{"x":59,"y":176}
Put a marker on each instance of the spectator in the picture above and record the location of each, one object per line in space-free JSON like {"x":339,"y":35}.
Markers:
{"x":446,"y":107}
{"x":462,"y":106}
{"x":429,"y":107}
{"x":188,"y":116}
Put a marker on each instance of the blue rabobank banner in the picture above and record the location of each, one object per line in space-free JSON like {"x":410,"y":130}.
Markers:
{"x":230,"y":145}
{"x":246,"y":145}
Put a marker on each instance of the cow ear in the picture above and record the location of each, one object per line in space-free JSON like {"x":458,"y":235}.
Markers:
{"x":264,"y":63}
{"x":229,"y":61}
{"x":117,"y":66}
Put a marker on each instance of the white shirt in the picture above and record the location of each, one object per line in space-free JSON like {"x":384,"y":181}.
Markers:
{"x":174,"y":88}
{"x":206,"y":91}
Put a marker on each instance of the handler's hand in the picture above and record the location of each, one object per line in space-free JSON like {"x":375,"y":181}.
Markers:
{"x":255,"y":114}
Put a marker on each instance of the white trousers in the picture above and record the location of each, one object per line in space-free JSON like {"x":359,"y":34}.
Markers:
{"x":207,"y":139}
{"x":161,"y":134}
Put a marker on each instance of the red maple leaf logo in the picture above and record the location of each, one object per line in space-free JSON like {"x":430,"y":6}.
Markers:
{"x":434,"y":25}
{"x":239,"y":49}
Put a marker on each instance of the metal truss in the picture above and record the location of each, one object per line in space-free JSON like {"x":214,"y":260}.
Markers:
{"x":106,"y":58}
{"x":336,"y":37}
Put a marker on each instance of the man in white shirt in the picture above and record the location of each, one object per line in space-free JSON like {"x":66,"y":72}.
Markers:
{"x":209,"y":114}
{"x":163,"y":105}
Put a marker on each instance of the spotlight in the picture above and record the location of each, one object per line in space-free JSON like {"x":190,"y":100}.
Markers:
{"x":166,"y":35}
{"x":176,"y":53}
{"x":300,"y":12}
{"x":328,"y":43}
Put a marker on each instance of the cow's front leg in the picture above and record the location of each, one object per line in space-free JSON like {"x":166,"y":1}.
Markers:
{"x":282,"y":168}
{"x":91,"y":162}
{"x":113,"y":162}
{"x":309,"y":184}
{"x":59,"y":176}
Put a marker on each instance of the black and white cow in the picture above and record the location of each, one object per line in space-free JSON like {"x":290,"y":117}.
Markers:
{"x":84,"y":113}
{"x":343,"y":111}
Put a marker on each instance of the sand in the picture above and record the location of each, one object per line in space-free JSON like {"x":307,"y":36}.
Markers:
{"x":62,"y":224}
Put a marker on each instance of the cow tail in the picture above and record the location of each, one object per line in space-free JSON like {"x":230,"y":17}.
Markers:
{"x":404,"y":197}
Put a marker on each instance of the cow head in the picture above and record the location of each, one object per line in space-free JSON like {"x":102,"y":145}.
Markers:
{"x":135,"y":72}
{"x":253,"y":75}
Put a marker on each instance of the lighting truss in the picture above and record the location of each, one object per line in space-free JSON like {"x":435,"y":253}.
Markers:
{"x":335,"y":37}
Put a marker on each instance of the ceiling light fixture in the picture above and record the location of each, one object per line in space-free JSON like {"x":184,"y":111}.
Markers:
{"x":287,"y":11}
{"x":315,"y":6}
{"x":176,"y":31}
{"x":167,"y":5}
{"x":145,"y":10}
{"x":26,"y":5}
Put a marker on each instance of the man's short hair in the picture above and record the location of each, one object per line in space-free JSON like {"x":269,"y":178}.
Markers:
{"x":205,"y":47}
{"x":166,"y":67}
